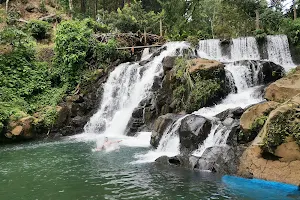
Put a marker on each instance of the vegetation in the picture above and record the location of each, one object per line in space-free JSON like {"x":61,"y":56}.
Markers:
{"x":282,"y":126}
{"x":41,"y":61}
{"x":202,"y":88}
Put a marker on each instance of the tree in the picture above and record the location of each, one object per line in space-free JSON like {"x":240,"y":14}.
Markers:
{"x":6,"y":5}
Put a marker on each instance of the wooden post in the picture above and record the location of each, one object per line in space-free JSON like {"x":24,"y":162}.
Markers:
{"x":145,"y":36}
{"x":6,"y":6}
{"x":295,"y":10}
{"x":71,"y":7}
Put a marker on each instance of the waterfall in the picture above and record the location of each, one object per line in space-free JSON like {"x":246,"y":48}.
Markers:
{"x":279,"y":51}
{"x":125,"y":88}
{"x":210,"y":49}
{"x":244,"y":48}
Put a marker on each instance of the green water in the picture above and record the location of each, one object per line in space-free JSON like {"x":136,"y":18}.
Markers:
{"x":64,"y":170}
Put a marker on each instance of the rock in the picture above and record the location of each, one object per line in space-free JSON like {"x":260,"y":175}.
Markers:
{"x":178,"y":160}
{"x":156,"y":83}
{"x":281,"y":123}
{"x":252,"y":162}
{"x":228,"y":121}
{"x":17,"y":130}
{"x":27,"y":124}
{"x":160,"y":126}
{"x":234,"y":113}
{"x":138,"y":112}
{"x":192,"y":131}
{"x":271,"y":72}
{"x":204,"y":64}
{"x":285,"y":88}
{"x":288,"y":152}
{"x":62,"y":115}
{"x":78,"y":121}
{"x":31,"y":8}
{"x":223,"y":160}
{"x":168,"y":63}
{"x":255,"y":112}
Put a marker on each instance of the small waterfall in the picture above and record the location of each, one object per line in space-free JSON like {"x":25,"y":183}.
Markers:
{"x":279,"y":51}
{"x":125,"y":88}
{"x":210,"y":49}
{"x":244,"y":48}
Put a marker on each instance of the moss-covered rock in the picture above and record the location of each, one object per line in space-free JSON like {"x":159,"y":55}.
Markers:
{"x":253,"y":120}
{"x":197,"y":83}
{"x":283,"y":122}
{"x":285,"y":88}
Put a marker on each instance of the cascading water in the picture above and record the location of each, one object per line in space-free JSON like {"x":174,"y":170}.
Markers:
{"x":245,"y":77}
{"x":125,"y":88}
{"x":209,"y":49}
{"x":279,"y":51}
{"x":244,"y":48}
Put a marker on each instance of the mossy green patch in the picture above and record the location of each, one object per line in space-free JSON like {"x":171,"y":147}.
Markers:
{"x":280,"y":127}
{"x":202,"y":88}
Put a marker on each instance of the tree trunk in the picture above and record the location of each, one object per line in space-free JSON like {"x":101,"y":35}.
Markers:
{"x":295,"y":10}
{"x":6,"y":5}
{"x":257,"y":19}
{"x":71,"y":7}
{"x":83,"y":7}
{"x":128,"y":2}
{"x":96,"y":9}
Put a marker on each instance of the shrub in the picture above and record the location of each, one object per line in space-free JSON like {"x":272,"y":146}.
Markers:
{"x":39,"y":29}
{"x":132,"y":19}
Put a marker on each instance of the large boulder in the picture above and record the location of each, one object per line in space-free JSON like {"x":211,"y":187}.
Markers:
{"x":285,"y":88}
{"x":270,"y":72}
{"x":198,"y":64}
{"x":253,"y":113}
{"x":283,"y":122}
{"x":192,"y":131}
{"x":289,"y":151}
{"x":254,"y":164}
{"x":220,"y":159}
{"x":168,"y":63}
{"x":161,"y":125}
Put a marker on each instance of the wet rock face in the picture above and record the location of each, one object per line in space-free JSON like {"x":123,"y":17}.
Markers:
{"x":222,"y":160}
{"x":160,"y":126}
{"x":192,"y":132}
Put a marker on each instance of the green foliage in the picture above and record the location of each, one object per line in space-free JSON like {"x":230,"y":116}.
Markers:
{"x":282,"y":126}
{"x":43,"y":7}
{"x":131,"y":19}
{"x":292,"y":29}
{"x":38,"y":29}
{"x":258,"y":124}
{"x":96,"y":26}
{"x":260,"y":34}
{"x":72,"y":42}
{"x":49,"y":116}
{"x":193,"y":91}
{"x":77,"y":50}
{"x":203,"y":92}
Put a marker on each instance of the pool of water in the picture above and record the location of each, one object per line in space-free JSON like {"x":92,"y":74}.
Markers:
{"x":69,"y":169}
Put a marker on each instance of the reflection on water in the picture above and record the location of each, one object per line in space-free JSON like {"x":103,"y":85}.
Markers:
{"x":70,"y":170}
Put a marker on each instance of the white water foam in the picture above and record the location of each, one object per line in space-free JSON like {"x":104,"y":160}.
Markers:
{"x":209,"y":49}
{"x":125,"y":88}
{"x":279,"y":51}
{"x":244,"y":48}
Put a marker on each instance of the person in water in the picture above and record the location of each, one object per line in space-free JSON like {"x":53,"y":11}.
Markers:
{"x":107,"y":144}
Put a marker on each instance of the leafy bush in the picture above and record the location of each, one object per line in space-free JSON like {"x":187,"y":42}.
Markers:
{"x":96,"y":26}
{"x":38,"y":29}
{"x":76,"y":50}
{"x":131,"y":19}
{"x":292,"y":29}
